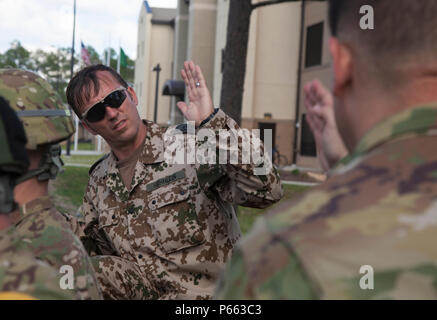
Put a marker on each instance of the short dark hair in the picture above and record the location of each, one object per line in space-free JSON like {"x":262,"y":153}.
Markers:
{"x":404,"y":29}
{"x":79,"y":88}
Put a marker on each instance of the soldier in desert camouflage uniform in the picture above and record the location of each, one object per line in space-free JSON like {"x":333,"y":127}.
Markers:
{"x":43,"y":229}
{"x":22,"y":276}
{"x":374,"y":221}
{"x":160,"y":230}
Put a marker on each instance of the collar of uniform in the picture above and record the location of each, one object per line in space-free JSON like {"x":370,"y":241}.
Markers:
{"x":36,"y":205}
{"x":416,"y":120}
{"x":153,"y":151}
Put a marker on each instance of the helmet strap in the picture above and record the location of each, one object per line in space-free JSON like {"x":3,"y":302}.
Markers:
{"x":7,"y":203}
{"x":50,"y":165}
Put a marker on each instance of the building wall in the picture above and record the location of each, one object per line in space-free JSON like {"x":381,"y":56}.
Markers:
{"x":142,"y":61}
{"x":315,"y":12}
{"x":179,"y":54}
{"x":201,"y":36}
{"x":271,"y":68}
{"x":155,"y":45}
{"x":276,"y":61}
{"x":220,"y":43}
{"x":161,"y":51}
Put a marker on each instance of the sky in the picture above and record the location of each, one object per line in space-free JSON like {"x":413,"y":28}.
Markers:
{"x":48,"y":24}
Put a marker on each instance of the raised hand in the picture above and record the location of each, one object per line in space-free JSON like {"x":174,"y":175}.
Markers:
{"x":321,"y":119}
{"x":200,"y":103}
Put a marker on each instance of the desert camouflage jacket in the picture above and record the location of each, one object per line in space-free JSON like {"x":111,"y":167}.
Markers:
{"x":369,"y":232}
{"x":177,"y":221}
{"x":48,"y":235}
{"x":22,"y":273}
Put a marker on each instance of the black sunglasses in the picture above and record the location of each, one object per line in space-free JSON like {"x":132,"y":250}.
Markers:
{"x":97,"y":111}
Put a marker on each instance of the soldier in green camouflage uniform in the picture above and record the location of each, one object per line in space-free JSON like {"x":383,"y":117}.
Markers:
{"x":369,"y":231}
{"x":166,"y":231}
{"x":22,"y":276}
{"x":44,"y":230}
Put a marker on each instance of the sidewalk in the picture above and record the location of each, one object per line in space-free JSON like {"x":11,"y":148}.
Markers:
{"x":296,"y":175}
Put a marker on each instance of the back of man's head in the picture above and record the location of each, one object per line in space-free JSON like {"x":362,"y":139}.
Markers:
{"x":405,"y":32}
{"x":13,"y":157}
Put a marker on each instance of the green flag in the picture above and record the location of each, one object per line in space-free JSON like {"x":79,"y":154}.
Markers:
{"x":123,"y":58}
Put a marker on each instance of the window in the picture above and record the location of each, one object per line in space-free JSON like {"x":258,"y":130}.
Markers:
{"x":307,"y":142}
{"x":314,"y":45}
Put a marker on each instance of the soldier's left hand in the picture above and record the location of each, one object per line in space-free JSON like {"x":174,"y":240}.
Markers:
{"x":200,"y":103}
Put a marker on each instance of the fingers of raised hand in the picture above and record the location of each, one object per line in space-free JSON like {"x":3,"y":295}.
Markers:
{"x":322,"y":93}
{"x":182,"y":106}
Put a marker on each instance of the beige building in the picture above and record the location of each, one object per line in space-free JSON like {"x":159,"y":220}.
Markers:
{"x":154,"y":47}
{"x":287,"y":47}
{"x":315,"y":64}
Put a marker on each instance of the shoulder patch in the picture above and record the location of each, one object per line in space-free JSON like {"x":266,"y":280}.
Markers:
{"x":96,"y":163}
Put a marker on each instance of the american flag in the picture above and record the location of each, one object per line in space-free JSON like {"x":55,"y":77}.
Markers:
{"x":85,"y":55}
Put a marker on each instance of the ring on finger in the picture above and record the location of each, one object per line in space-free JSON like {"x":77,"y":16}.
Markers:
{"x":197,"y":84}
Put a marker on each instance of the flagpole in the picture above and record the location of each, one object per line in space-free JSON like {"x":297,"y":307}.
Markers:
{"x":76,"y":134}
{"x":71,"y":67}
{"x":119,"y":55}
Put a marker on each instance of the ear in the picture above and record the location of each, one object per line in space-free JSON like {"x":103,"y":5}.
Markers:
{"x":342,"y":65}
{"x":88,"y":128}
{"x":132,"y":95}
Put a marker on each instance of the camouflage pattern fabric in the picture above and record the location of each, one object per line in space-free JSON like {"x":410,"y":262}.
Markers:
{"x":23,"y":275}
{"x":378,"y":209}
{"x":46,"y":233}
{"x":45,"y":118}
{"x":177,"y":222}
{"x":120,"y":279}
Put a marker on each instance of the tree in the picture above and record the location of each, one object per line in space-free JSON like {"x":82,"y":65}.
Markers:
{"x":55,"y":67}
{"x":234,"y":71}
{"x":127,"y":73}
{"x":17,"y":57}
{"x":94,"y":56}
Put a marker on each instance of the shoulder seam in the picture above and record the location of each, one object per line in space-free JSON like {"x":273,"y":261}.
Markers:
{"x":90,"y":171}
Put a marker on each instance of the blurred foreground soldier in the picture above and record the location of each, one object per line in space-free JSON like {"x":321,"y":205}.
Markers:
{"x":22,"y":276}
{"x":370,"y":231}
{"x":161,"y":230}
{"x":44,"y":230}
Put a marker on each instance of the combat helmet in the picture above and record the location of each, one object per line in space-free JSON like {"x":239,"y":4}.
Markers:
{"x":13,"y":156}
{"x":46,"y":120}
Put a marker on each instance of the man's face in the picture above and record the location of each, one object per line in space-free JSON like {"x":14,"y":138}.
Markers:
{"x":119,"y":126}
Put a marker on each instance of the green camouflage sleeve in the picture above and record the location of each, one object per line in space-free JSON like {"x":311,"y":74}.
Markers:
{"x":240,"y":173}
{"x":36,"y":279}
{"x":244,"y":278}
{"x":22,"y":274}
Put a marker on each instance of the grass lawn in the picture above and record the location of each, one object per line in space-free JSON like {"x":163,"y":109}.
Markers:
{"x":80,"y":146}
{"x":69,"y":187}
{"x":88,"y":160}
{"x":247,"y":216}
